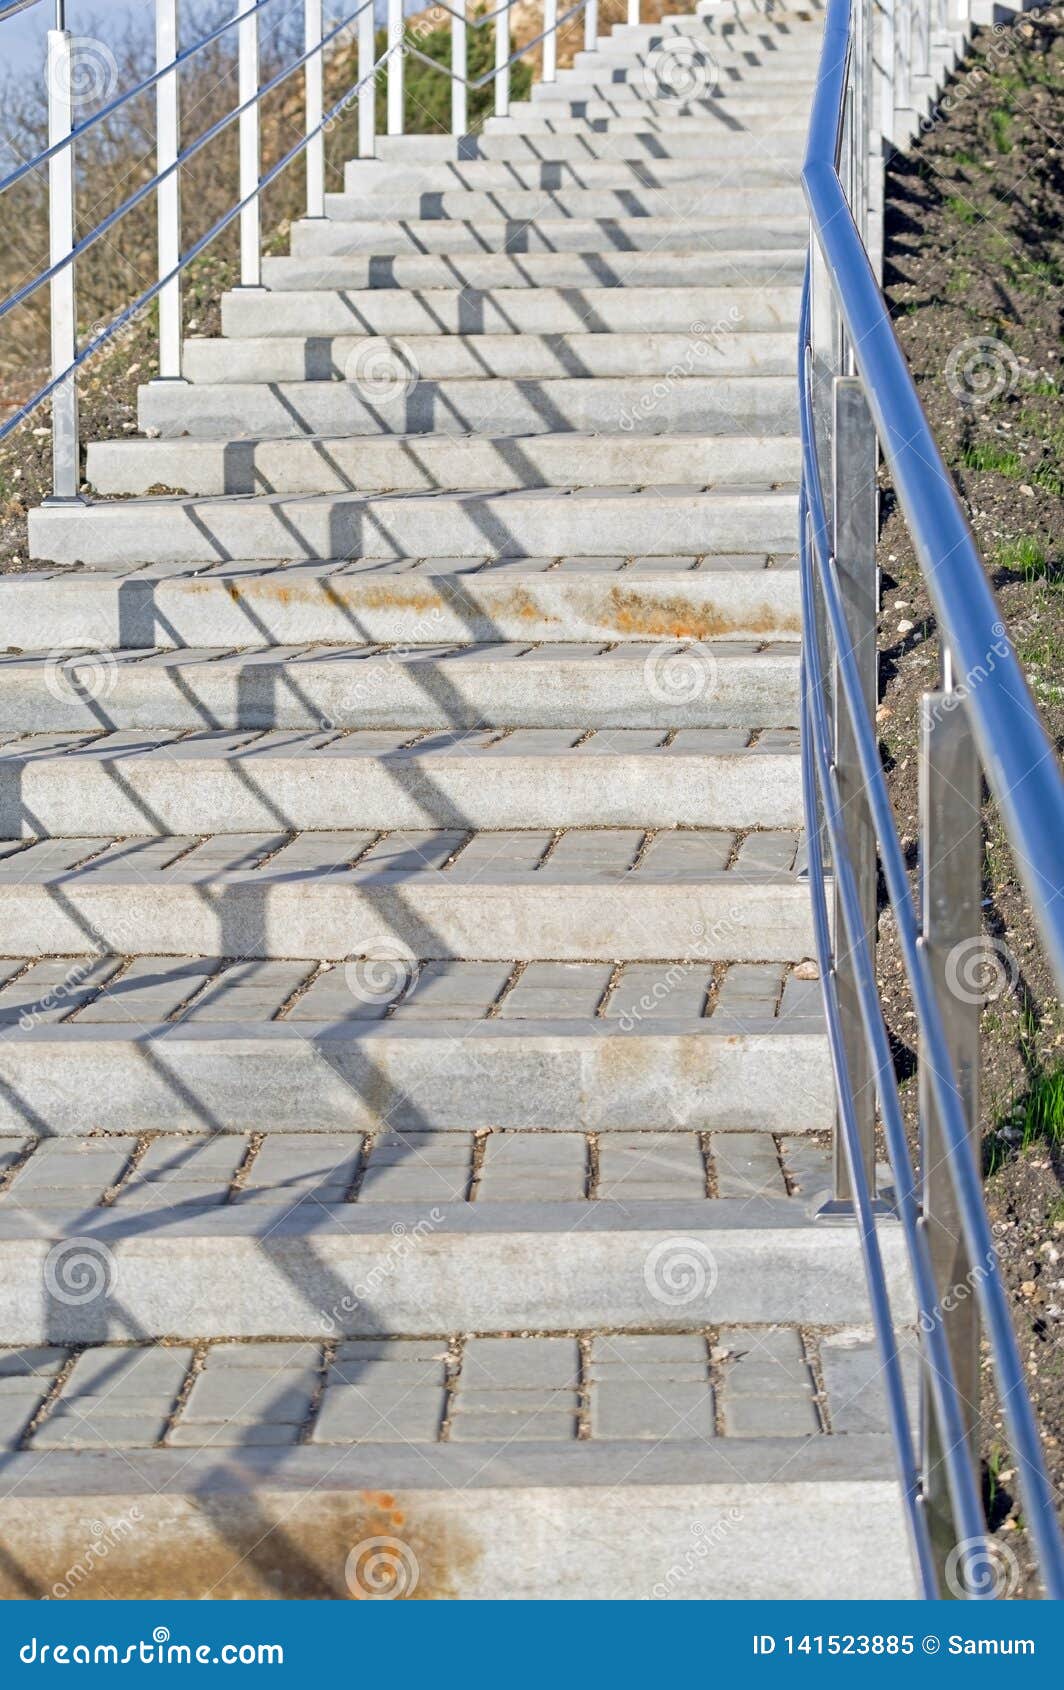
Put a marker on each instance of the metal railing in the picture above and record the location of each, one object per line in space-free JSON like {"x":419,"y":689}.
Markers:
{"x":58,"y":156}
{"x":857,"y":399}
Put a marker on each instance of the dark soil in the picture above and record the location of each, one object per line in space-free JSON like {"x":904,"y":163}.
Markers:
{"x":975,"y":251}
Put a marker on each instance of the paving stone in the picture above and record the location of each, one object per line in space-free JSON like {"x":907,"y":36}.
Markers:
{"x":746,"y":1165}
{"x":252,"y":991}
{"x":332,"y":996}
{"x":655,"y":1356}
{"x":453,"y":990}
{"x":686,"y":854}
{"x":110,"y":1432}
{"x":115,"y":1372}
{"x":853,"y":1380}
{"x":502,"y":1362}
{"x":72,"y":1171}
{"x":52,"y":989}
{"x":391,"y":1349}
{"x":220,"y":1434}
{"x":672,"y":1409}
{"x":545,"y":1426}
{"x":559,"y":991}
{"x":749,"y":991}
{"x":275,"y":1356}
{"x":43,"y":1361}
{"x":348,"y":1416}
{"x":769,"y":1417}
{"x":648,"y":1166}
{"x":299,"y":1164}
{"x":548,"y":1167}
{"x":250,"y":1394}
{"x":675,"y":991}
{"x":593,"y":854}
{"x":148,"y":990}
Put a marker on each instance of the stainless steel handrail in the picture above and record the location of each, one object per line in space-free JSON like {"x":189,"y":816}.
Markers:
{"x":851,"y":345}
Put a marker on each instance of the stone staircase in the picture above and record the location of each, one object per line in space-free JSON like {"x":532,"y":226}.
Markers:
{"x":412,"y":1078}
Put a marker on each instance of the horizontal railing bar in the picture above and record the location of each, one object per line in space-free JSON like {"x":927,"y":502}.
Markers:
{"x":14,"y":6}
{"x":975,"y":1226}
{"x":120,"y":100}
{"x":1011,"y":740}
{"x":118,"y":322}
{"x":28,"y":289}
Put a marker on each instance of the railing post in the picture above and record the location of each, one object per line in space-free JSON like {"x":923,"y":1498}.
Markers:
{"x":590,"y":25}
{"x":395,"y":67}
{"x":248,"y":88}
{"x":314,"y":84}
{"x":633,"y":12}
{"x":459,"y":69}
{"x":64,"y":320}
{"x":854,"y":516}
{"x":550,"y":40}
{"x":951,"y":862}
{"x":168,"y":194}
{"x":502,"y":68}
{"x":367,"y":97}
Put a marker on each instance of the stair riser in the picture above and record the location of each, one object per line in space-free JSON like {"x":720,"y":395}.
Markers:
{"x":463,"y":463}
{"x":459,"y":1277}
{"x":694,"y":405}
{"x":249,"y":916}
{"x":291,"y":607}
{"x":284,"y":1077}
{"x":202,"y":1532}
{"x":166,"y":795}
{"x":625,"y":234}
{"x":705,"y":348}
{"x":444,"y":526}
{"x":364,"y":176}
{"x":759,"y":691}
{"x":509,"y":311}
{"x":682,"y":200}
{"x":733,"y":55}
{"x":675,"y":80}
{"x":384,"y":277}
{"x":776,"y":129}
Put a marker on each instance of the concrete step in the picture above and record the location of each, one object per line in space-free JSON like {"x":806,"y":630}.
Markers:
{"x":645,"y":144}
{"x":705,"y":684}
{"x":524,"y":1266}
{"x":546,"y":522}
{"x":385,"y":203}
{"x":429,"y":1468}
{"x":374,"y":364}
{"x":746,"y":59}
{"x":747,"y":596}
{"x":422,"y":463}
{"x":117,"y":1045}
{"x":693,"y":403}
{"x":591,"y":895}
{"x":329,"y":238}
{"x":547,"y":778}
{"x":530,"y":271}
{"x":407,"y":173}
{"x":508,"y":311}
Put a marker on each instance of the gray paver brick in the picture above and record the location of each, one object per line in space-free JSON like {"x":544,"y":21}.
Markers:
{"x":502,"y":1362}
{"x":635,"y":1408}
